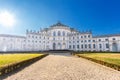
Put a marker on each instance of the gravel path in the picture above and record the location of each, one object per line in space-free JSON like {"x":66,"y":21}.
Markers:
{"x":56,"y":67}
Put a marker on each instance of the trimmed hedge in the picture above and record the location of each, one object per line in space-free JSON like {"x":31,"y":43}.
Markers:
{"x":84,"y":52}
{"x":9,"y":68}
{"x":111,"y":65}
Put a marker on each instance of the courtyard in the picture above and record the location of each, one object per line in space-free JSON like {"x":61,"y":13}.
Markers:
{"x":64,"y":67}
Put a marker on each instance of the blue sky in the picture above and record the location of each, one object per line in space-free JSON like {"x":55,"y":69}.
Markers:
{"x":100,"y":16}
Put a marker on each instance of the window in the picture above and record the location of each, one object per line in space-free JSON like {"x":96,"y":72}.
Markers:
{"x":89,"y":40}
{"x":59,"y":44}
{"x":106,"y":39}
{"x":63,"y":33}
{"x":89,"y":45}
{"x":88,"y":36}
{"x":114,"y":39}
{"x":81,"y":41}
{"x":99,"y":39}
{"x":81,"y":36}
{"x":69,"y":46}
{"x":32,"y":36}
{"x":85,"y":40}
{"x":107,"y":45}
{"x":54,"y":33}
{"x":36,"y":37}
{"x":100,"y":46}
{"x":82,"y":46}
{"x":93,"y":45}
{"x":84,"y":36}
{"x":77,"y":41}
{"x":59,"y":33}
{"x":85,"y":45}
{"x":93,"y":40}
{"x":73,"y":38}
{"x":73,"y":46}
{"x":78,"y":46}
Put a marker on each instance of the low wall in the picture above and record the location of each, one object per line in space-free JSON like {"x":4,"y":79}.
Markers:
{"x":9,"y":68}
{"x":114,"y":66}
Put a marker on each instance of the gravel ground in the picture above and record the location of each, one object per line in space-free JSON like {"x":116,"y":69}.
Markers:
{"x":56,"y":67}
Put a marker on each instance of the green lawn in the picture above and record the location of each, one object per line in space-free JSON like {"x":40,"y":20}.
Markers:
{"x":6,"y":59}
{"x":107,"y":57}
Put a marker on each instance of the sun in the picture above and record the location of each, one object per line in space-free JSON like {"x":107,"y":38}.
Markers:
{"x":7,"y":19}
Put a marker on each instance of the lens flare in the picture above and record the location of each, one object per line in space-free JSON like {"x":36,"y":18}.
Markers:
{"x":7,"y":19}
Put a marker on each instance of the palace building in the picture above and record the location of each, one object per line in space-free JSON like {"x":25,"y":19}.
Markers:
{"x":59,"y":37}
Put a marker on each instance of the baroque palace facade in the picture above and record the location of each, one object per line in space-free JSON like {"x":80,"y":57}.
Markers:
{"x":59,"y":37}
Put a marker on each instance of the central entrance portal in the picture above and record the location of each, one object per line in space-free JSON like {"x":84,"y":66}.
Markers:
{"x":54,"y":46}
{"x":59,"y":46}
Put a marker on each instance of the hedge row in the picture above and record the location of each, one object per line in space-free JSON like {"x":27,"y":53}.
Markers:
{"x":111,"y":65}
{"x":12,"y":67}
{"x":84,"y":52}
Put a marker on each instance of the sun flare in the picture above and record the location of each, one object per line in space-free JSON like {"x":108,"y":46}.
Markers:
{"x":7,"y":19}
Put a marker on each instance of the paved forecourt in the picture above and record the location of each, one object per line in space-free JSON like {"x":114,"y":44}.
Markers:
{"x":57,"y":67}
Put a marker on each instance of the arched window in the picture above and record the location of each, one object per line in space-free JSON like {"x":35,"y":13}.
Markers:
{"x":59,"y":33}
{"x":82,"y":46}
{"x":100,"y":45}
{"x":85,"y":45}
{"x":107,"y":45}
{"x":93,"y":45}
{"x":63,"y":33}
{"x":89,"y":45}
{"x":54,"y":33}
